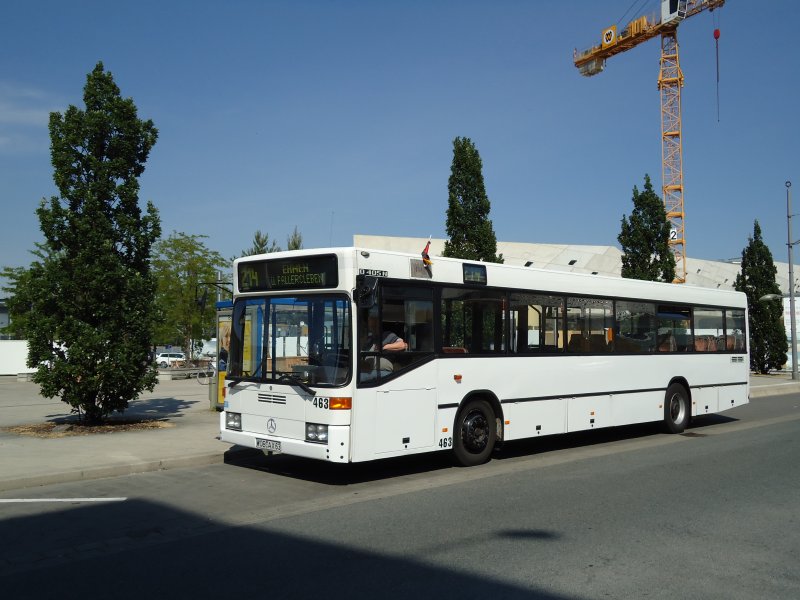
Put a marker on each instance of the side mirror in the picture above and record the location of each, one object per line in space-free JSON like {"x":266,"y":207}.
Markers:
{"x":366,"y":291}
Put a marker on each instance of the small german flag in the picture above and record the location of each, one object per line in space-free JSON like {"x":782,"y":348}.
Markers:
{"x":426,"y":259}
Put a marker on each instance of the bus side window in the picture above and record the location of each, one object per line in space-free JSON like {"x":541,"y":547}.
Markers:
{"x":674,"y":328}
{"x":589,"y":321}
{"x":709,"y":330}
{"x":735,"y":327}
{"x":407,"y":311}
{"x":537,"y":323}
{"x":474,"y":320}
{"x":635,"y":326}
{"x":419,"y":336}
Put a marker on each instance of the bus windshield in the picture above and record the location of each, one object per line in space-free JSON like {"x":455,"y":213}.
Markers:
{"x":303,"y":338}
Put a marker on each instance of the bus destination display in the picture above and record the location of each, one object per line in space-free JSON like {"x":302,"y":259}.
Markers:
{"x":288,"y":274}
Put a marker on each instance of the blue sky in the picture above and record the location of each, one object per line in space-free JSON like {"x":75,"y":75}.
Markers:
{"x":338,"y":117}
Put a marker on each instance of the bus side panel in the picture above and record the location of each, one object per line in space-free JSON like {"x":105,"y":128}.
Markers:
{"x":732,"y":395}
{"x":704,"y":401}
{"x":397,"y":417}
{"x":591,"y":412}
{"x":362,"y":432}
{"x":639,"y":407}
{"x":404,"y":419}
{"x":531,"y":419}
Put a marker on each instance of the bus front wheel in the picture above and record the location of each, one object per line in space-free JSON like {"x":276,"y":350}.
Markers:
{"x":676,"y":409}
{"x":474,"y":434}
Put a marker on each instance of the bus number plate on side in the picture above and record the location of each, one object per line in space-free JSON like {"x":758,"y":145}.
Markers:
{"x":263,"y":444}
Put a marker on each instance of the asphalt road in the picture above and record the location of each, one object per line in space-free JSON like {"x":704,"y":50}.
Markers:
{"x":623,"y":513}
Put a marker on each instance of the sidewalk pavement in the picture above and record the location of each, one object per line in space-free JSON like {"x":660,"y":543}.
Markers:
{"x":190,"y":440}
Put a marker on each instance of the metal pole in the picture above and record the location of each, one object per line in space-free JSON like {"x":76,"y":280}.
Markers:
{"x":791,"y":279}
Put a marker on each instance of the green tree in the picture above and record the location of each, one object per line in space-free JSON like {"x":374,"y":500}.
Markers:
{"x":469,"y":228}
{"x":261,"y":245}
{"x":756,"y":278}
{"x":645,"y":238}
{"x":294,"y":241}
{"x":182,"y":263}
{"x":91,"y":293}
{"x":17,"y":288}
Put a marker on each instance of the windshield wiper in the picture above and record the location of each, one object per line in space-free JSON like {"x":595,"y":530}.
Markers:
{"x":232,"y":380}
{"x":296,"y":381}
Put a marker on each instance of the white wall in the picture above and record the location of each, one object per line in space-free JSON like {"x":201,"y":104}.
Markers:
{"x":13,"y":355}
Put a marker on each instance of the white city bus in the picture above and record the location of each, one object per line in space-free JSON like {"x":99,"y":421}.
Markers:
{"x":489,"y":353}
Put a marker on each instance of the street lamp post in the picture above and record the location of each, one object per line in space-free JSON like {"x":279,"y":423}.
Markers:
{"x":790,"y":244}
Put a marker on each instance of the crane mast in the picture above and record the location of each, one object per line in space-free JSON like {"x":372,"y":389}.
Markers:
{"x":670,"y":80}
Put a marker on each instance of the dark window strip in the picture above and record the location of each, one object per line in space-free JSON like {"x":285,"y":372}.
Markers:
{"x":611,"y":393}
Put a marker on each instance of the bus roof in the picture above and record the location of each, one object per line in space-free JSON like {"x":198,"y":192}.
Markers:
{"x":404,"y":266}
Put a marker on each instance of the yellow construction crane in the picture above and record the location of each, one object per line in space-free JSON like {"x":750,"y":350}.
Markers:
{"x":670,"y":80}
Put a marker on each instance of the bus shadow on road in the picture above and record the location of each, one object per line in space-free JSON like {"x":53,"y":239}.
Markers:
{"x":606,"y":435}
{"x":338,"y":474}
{"x":389,"y":468}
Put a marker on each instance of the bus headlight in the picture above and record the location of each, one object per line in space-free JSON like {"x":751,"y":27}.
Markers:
{"x":233,"y":420}
{"x":316,"y":433}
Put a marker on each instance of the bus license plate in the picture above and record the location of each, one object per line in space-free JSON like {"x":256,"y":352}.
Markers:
{"x":263,"y":444}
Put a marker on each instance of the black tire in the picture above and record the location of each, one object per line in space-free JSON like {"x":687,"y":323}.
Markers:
{"x":163,"y":364}
{"x":676,"y":409}
{"x":474,"y":433}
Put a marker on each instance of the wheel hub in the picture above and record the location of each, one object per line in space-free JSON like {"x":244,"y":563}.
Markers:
{"x":676,"y":409}
{"x":475,"y":432}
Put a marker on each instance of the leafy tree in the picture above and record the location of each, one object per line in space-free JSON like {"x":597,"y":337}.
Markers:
{"x":91,"y":292}
{"x":645,"y":238}
{"x":181,"y":263}
{"x":469,"y":228}
{"x":294,"y":241}
{"x":18,"y":301}
{"x":768,"y":343}
{"x":261,"y":245}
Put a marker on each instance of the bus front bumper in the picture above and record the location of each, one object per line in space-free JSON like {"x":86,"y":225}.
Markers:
{"x":336,"y":450}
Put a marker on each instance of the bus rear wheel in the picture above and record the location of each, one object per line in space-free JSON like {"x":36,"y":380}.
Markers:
{"x":474,"y":434}
{"x":676,"y":409}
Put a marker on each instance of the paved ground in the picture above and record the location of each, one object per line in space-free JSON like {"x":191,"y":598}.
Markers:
{"x":189,"y":440}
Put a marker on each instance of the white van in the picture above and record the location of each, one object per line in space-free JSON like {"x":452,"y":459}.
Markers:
{"x":170,"y":359}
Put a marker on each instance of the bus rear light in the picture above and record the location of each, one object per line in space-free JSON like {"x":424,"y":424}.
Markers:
{"x":457,"y":377}
{"x":343,"y":403}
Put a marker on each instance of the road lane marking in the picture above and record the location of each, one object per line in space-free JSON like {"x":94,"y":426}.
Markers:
{"x":30,"y":500}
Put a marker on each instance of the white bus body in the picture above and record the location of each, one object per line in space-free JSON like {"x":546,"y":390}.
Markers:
{"x":494,"y":352}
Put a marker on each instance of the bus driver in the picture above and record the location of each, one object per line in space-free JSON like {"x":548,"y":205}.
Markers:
{"x":391,"y":342}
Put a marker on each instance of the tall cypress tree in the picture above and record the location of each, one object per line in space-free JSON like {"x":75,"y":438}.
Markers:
{"x":469,"y":228}
{"x":756,"y":278}
{"x":92,"y":293}
{"x":261,"y":245}
{"x":645,"y":238}
{"x":294,"y":241}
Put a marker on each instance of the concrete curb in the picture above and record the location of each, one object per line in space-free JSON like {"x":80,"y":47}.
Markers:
{"x":775,"y":389}
{"x":197,"y":460}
